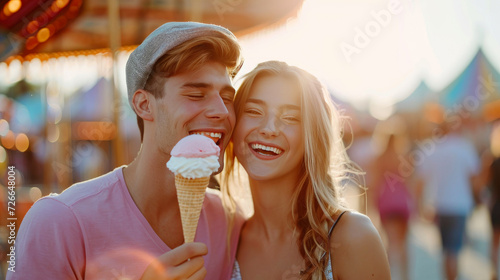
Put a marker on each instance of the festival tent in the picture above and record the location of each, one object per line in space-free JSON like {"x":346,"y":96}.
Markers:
{"x":26,"y":113}
{"x":33,"y":113}
{"x":94,"y":104}
{"x":416,"y":101}
{"x":94,"y":107}
{"x":477,"y":85}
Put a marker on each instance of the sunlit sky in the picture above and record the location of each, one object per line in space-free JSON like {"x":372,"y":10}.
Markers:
{"x":365,"y":56}
{"x":370,"y":53}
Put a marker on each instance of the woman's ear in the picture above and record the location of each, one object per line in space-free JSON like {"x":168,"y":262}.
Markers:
{"x":141,"y":102}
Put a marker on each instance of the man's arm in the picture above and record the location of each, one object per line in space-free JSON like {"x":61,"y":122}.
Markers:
{"x":49,"y":244}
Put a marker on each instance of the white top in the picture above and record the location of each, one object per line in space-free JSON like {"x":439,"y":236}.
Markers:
{"x":236,"y":275}
{"x":446,"y":166}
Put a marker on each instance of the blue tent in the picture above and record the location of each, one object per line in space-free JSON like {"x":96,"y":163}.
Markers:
{"x":478,"y":84}
{"x":94,"y":104}
{"x":32,"y":111}
{"x":416,"y":100}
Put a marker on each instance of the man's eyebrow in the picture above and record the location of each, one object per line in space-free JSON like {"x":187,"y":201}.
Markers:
{"x":227,"y":88}
{"x":196,"y":85}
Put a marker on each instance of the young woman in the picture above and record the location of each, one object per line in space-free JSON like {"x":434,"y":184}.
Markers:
{"x":391,"y":191}
{"x":288,"y":139}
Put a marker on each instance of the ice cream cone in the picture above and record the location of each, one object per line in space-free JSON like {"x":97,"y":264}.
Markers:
{"x":190,"y":195}
{"x":193,"y":159}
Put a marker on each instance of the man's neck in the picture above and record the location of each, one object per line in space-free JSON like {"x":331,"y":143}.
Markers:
{"x":152,"y":187}
{"x":148,"y":179}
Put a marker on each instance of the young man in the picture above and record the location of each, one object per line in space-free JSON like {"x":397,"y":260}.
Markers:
{"x":126,"y":224}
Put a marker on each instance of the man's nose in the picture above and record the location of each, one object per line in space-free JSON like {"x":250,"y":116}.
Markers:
{"x":216,"y":109}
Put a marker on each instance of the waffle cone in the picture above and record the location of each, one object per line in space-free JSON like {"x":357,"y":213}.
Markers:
{"x":190,"y":195}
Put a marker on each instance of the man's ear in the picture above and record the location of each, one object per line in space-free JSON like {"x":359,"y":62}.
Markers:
{"x":143,"y":105}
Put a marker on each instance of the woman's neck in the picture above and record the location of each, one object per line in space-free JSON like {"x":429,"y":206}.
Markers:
{"x":268,"y":247}
{"x":272,"y":201}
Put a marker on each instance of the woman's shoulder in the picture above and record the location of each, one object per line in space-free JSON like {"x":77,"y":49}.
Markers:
{"x":353,"y":226}
{"x":358,"y":242}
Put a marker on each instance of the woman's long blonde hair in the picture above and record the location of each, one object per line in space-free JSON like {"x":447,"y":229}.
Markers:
{"x":325,"y":167}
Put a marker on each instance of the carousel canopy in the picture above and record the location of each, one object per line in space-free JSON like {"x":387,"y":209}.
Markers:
{"x":416,"y":100}
{"x":71,"y":25}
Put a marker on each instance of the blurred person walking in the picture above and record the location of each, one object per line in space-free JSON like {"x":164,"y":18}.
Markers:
{"x":446,"y":174}
{"x":494,"y":184}
{"x":390,"y":192}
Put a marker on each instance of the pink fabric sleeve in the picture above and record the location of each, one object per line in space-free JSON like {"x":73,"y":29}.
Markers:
{"x":49,"y":243}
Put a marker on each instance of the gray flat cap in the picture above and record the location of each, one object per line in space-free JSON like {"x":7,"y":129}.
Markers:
{"x":169,"y":35}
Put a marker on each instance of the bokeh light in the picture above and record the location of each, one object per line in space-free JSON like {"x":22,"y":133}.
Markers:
{"x":54,"y":7}
{"x":4,"y":127}
{"x":6,"y":11}
{"x":8,"y":141}
{"x":54,"y":113}
{"x":13,"y":6}
{"x":52,"y":133}
{"x":61,"y":3}
{"x":32,"y":27}
{"x":43,"y":34}
{"x":434,"y":113}
{"x":22,"y":142}
{"x":495,"y":141}
{"x":31,"y":43}
{"x":3,"y":154}
{"x":35,"y":194}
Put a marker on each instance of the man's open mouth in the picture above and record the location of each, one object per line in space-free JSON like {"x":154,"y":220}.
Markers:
{"x":215,"y":136}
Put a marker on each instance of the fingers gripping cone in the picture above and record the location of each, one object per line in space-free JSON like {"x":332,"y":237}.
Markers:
{"x":190,"y":195}
{"x":193,"y":159}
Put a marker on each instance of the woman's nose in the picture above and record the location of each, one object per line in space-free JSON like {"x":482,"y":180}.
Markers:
{"x":270,"y":126}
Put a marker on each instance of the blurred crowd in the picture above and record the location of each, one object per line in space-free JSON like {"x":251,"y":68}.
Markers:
{"x":433,"y":172}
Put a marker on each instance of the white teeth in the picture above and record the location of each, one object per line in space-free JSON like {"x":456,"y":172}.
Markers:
{"x":266,"y":148}
{"x":210,"y":134}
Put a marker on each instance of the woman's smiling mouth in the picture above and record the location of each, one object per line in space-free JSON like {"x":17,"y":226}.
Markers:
{"x":265,"y":150}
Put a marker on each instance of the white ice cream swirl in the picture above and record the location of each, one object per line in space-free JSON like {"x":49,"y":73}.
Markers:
{"x":193,"y":167}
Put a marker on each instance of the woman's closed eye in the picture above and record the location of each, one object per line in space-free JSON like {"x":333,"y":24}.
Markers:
{"x":253,"y":112}
{"x":291,"y":118}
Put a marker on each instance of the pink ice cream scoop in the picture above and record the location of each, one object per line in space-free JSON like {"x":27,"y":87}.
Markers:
{"x":195,"y":146}
{"x":194,"y":156}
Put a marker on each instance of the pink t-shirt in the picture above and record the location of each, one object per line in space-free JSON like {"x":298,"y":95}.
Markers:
{"x":94,"y":230}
